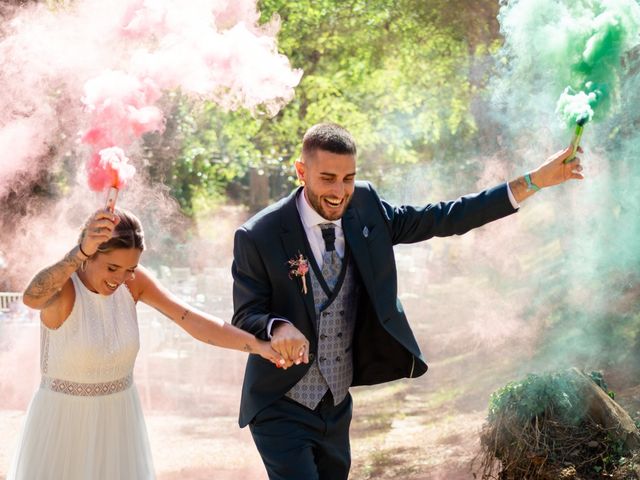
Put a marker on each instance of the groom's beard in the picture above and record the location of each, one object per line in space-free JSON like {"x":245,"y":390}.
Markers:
{"x":324,"y":208}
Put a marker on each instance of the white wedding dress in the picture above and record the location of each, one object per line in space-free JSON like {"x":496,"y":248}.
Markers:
{"x":85,"y":422}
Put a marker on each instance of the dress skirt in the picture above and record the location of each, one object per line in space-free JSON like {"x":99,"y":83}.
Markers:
{"x":76,"y":437}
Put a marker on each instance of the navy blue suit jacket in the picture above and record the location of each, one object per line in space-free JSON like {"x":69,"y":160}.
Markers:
{"x":384,"y":346}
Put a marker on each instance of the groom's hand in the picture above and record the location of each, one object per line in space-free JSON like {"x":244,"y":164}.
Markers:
{"x":289,"y":342}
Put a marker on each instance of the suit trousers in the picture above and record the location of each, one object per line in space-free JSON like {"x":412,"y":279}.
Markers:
{"x":297,"y":443}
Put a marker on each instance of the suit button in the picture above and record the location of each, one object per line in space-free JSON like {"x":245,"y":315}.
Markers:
{"x":324,"y":314}
{"x":338,"y":358}
{"x":322,"y":359}
{"x":311,"y":357}
{"x":342,"y":312}
{"x":339,"y":335}
{"x":323,"y":337}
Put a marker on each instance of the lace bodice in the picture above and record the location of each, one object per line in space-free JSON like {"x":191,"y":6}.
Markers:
{"x":99,"y":341}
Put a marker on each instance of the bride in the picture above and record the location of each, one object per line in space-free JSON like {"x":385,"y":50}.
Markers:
{"x":85,"y":421}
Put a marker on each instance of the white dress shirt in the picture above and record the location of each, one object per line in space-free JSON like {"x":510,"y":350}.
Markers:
{"x":512,"y":199}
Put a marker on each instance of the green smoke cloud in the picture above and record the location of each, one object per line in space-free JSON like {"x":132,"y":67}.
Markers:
{"x":574,"y":57}
{"x":574,"y":47}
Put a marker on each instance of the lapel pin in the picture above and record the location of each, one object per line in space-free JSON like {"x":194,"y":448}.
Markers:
{"x":365,"y":232}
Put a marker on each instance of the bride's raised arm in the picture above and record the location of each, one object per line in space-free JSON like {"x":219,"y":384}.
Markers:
{"x":50,"y":290}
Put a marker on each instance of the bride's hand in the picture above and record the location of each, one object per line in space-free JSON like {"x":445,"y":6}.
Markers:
{"x":268,"y":353}
{"x":98,"y":229}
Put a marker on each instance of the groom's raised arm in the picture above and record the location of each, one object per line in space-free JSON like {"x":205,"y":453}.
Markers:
{"x":409,"y":224}
{"x":251,"y":287}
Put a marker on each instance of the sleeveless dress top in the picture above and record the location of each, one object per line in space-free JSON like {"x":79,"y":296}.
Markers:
{"x":85,"y":422}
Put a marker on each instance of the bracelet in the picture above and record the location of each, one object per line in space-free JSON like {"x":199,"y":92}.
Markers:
{"x":530,"y":185}
{"x":82,"y":251}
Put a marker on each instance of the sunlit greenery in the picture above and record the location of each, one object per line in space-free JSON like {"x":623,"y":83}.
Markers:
{"x":398,"y":74}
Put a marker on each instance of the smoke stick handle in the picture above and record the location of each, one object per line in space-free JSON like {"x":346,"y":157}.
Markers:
{"x":575,"y":142}
{"x":112,"y":196}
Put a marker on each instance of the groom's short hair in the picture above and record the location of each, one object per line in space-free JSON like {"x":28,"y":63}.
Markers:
{"x":329,"y":137}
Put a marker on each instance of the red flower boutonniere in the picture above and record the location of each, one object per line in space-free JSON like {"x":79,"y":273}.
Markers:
{"x":298,"y":268}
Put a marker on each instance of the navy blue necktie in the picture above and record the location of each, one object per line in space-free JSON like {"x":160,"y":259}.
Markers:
{"x":331,"y":261}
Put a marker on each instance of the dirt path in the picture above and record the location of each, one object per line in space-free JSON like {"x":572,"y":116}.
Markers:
{"x":427,"y":428}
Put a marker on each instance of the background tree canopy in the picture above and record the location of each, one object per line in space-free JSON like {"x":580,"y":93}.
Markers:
{"x":402,"y":76}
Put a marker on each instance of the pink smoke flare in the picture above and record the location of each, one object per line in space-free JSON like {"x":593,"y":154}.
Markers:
{"x":110,"y":167}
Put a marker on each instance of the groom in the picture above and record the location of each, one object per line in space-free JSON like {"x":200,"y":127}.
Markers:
{"x":316,"y":274}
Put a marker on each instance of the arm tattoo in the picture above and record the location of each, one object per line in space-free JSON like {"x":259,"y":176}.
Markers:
{"x":47,"y":283}
{"x":519,"y":189}
{"x":247,"y":348}
{"x":53,"y":298}
{"x":521,"y":183}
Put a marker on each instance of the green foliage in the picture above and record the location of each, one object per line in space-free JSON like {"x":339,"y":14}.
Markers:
{"x":536,"y":395}
{"x":395,"y":73}
{"x":615,"y":455}
{"x":555,"y":393}
{"x":217,"y":148}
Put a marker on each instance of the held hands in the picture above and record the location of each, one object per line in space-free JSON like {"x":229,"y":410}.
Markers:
{"x":98,"y":229}
{"x":290,"y":343}
{"x":268,"y":353}
{"x":554,"y":171}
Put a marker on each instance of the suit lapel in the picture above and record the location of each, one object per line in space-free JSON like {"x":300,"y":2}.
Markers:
{"x":359,"y":248}
{"x":294,"y":243}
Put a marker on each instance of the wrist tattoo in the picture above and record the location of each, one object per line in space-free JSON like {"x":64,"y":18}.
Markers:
{"x":247,"y":348}
{"x":184,"y":315}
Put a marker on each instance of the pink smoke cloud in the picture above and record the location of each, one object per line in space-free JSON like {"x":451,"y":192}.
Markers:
{"x":98,"y":69}
{"x":21,"y":142}
{"x":237,"y":66}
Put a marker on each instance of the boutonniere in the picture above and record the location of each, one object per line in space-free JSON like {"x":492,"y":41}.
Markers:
{"x":299,"y":267}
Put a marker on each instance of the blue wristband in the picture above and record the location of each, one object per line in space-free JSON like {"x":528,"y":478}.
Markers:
{"x":530,"y":185}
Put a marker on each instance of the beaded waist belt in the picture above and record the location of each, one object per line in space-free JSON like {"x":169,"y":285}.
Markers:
{"x":86,"y":389}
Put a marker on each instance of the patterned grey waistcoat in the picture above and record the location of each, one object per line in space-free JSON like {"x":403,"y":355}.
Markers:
{"x":332,"y":367}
